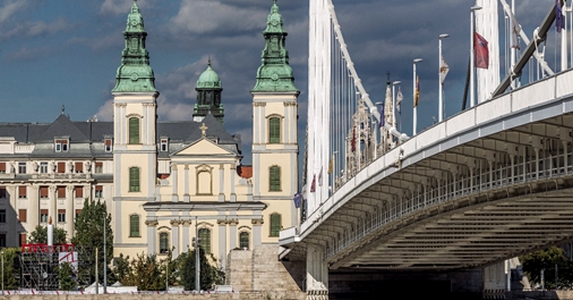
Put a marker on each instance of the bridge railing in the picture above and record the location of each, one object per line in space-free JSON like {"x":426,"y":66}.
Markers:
{"x":532,"y":168}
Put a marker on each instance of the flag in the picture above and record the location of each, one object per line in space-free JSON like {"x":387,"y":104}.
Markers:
{"x":444,"y":69}
{"x":399,"y":99}
{"x":559,"y":24}
{"x":515,"y":29}
{"x":297,"y":200}
{"x":313,"y":184}
{"x":417,"y":92}
{"x":331,"y":165}
{"x":481,"y":51}
{"x":320,"y":177}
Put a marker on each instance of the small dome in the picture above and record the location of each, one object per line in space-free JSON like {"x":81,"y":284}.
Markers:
{"x":209,"y":79}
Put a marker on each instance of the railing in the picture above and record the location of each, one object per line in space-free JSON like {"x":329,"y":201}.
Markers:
{"x":528,"y":171}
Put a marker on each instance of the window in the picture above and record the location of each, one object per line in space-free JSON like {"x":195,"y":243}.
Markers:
{"x":98,"y":167}
{"x":204,"y":185}
{"x":2,"y":240}
{"x":44,"y":167}
{"x":205,"y":239}
{"x":22,"y":167}
{"x":2,"y":216}
{"x":134,"y":179}
{"x":3,"y":168}
{"x":275,"y":179}
{"x":22,"y":215}
{"x":134,"y":226}
{"x":2,"y":192}
{"x":44,"y":192}
{"x":274,"y":130}
{"x":275,"y":225}
{"x":22,"y":192}
{"x":22,"y":239}
{"x":163,"y":242}
{"x":79,"y":191}
{"x":164,"y":145}
{"x":244,"y":240}
{"x":43,"y":216}
{"x":107,"y":145}
{"x":61,"y":167}
{"x":79,"y":167}
{"x":78,"y":212}
{"x":134,"y":130}
{"x":61,"y":216}
{"x":61,"y":192}
{"x":98,"y":191}
{"x":61,"y":145}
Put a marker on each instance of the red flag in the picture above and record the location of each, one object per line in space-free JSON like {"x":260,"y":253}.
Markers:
{"x":313,"y":184}
{"x":481,"y":51}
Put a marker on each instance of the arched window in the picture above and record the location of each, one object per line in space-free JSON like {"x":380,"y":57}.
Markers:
{"x":134,"y":226}
{"x":275,"y":179}
{"x":163,"y":242}
{"x":134,"y":130}
{"x":274,"y":130}
{"x":275,"y":226}
{"x":134,"y":179}
{"x":205,"y":239}
{"x":244,"y":240}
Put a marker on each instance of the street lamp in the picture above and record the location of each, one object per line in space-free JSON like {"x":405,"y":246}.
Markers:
{"x":472,"y":55}
{"x":104,"y":255}
{"x":394,"y":84}
{"x":2,"y":272}
{"x":414,"y":90}
{"x":440,"y":83}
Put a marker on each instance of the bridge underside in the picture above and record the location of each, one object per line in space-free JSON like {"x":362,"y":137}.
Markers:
{"x":472,"y":204}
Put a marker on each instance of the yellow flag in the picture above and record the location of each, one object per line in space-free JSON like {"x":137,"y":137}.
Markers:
{"x":331,"y":165}
{"x":417,"y":94}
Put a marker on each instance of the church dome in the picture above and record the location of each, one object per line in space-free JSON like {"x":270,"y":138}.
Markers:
{"x":209,"y":79}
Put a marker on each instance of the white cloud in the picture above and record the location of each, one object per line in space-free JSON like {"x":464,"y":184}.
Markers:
{"x":12,"y":8}
{"x":115,"y":7}
{"x":105,"y":112}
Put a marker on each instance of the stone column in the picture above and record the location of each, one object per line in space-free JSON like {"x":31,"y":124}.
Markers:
{"x":232,"y":173}
{"x":175,"y":195}
{"x":34,"y":208}
{"x":222,"y":241}
{"x":151,"y":236}
{"x":186,"y":184}
{"x":175,"y":237}
{"x":186,"y":245}
{"x":233,"y":233}
{"x":257,"y":231}
{"x":221,"y":183}
{"x":53,"y":203}
{"x":70,"y":216}
{"x":316,"y":273}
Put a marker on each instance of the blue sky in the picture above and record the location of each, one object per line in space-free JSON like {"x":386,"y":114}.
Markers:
{"x":67,"y":52}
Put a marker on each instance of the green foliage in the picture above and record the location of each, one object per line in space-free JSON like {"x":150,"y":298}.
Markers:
{"x":67,"y":277}
{"x":40,"y":235}
{"x":546,"y":259}
{"x":122,"y":269}
{"x":145,"y":273}
{"x":10,"y":268}
{"x":89,"y":235}
{"x":210,"y":274}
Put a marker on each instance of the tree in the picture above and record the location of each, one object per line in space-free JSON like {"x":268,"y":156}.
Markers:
{"x":547,"y":259}
{"x":89,"y":235}
{"x":67,"y":276}
{"x":10,"y":268}
{"x":40,"y":235}
{"x":145,"y":273}
{"x":210,"y":274}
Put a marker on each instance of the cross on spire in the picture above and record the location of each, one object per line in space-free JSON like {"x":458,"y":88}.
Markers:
{"x":203,"y":130}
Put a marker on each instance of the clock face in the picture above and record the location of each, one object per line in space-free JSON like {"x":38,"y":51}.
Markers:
{"x":134,"y":22}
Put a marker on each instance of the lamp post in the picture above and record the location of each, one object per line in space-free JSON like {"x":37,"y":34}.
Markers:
{"x":104,"y":255}
{"x":414,"y":90}
{"x":440,"y":83}
{"x":394,"y":84}
{"x":2,"y":272}
{"x":472,"y":55}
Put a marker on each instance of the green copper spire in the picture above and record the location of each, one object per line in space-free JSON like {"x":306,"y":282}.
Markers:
{"x":134,"y":74}
{"x":275,"y":74}
{"x":208,"y":96}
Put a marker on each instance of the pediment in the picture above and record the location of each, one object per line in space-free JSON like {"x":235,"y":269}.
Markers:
{"x":203,"y":147}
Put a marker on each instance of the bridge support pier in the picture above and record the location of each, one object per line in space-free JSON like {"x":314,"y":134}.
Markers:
{"x":316,"y":273}
{"x":495,"y":280}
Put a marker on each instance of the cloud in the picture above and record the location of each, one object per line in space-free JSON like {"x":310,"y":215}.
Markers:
{"x":115,"y":7}
{"x":26,"y":53}
{"x":12,"y":8}
{"x":105,"y":112}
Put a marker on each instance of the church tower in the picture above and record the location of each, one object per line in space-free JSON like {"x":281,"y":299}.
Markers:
{"x":134,"y":150}
{"x":209,"y":90}
{"x":275,"y":143}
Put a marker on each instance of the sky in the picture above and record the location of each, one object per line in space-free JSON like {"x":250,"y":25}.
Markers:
{"x":66,"y":52}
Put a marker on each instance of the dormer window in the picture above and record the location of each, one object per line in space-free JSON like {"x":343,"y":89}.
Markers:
{"x":107,"y":145}
{"x":215,"y":140}
{"x":61,"y":145}
{"x":164,"y":145}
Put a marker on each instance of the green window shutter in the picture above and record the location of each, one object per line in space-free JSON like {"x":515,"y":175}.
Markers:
{"x":205,"y":239}
{"x":134,"y":226}
{"x":134,"y":179}
{"x":275,"y":179}
{"x":274,"y":130}
{"x":275,"y":225}
{"x":244,"y":240}
{"x":134,"y":130}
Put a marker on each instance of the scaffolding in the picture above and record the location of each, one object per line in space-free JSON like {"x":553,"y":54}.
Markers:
{"x":39,"y":264}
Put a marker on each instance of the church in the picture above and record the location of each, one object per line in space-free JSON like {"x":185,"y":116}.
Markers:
{"x":164,"y":183}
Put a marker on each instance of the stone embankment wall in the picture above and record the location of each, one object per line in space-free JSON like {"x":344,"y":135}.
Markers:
{"x":227,"y":296}
{"x":260,"y":271}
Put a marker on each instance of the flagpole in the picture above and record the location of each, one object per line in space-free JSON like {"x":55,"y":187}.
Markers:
{"x":414,"y":90}
{"x":472,"y":55}
{"x":394,"y":84}
{"x":440,"y":83}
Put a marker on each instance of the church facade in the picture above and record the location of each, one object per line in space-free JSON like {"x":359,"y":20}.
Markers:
{"x":164,"y":183}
